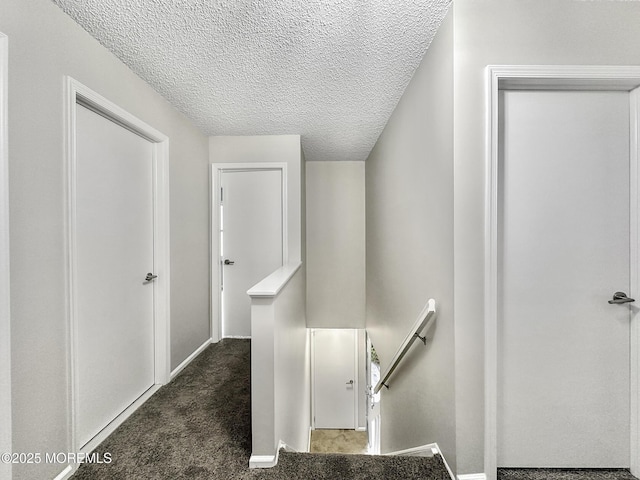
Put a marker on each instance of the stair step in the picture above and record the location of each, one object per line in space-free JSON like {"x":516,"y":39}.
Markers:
{"x":320,"y":466}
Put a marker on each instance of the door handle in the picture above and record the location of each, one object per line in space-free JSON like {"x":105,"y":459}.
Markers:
{"x":229,"y":262}
{"x":150,"y":276}
{"x":620,"y":297}
{"x":350,"y":382}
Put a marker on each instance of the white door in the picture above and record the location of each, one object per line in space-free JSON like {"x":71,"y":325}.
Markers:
{"x":563,"y":354}
{"x":335,"y":378}
{"x":251,"y":241}
{"x":114,"y":240}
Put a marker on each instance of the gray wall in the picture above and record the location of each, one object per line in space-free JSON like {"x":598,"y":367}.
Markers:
{"x":506,"y":32}
{"x":335,"y":245}
{"x":409,"y":192}
{"x":45,"y":45}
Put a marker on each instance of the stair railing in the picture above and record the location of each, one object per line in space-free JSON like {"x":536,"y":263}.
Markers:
{"x":424,"y":322}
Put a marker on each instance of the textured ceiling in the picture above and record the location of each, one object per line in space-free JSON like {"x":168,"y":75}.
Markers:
{"x":329,"y":70}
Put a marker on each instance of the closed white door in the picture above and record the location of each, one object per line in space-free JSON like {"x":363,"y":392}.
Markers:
{"x":335,"y":378}
{"x":563,"y":349}
{"x":114,"y":241}
{"x":251,"y":241}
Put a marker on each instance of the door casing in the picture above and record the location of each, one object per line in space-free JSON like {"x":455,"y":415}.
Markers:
{"x":5,"y":311}
{"x":75,"y":92}
{"x":558,"y":78}
{"x":215,"y":179}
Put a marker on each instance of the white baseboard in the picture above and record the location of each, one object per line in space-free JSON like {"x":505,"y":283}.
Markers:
{"x":309,"y":439}
{"x":241,"y":337}
{"x":67,"y":472}
{"x":473,"y":476}
{"x":422,"y":451}
{"x":262,"y":461}
{"x":189,"y":359}
{"x":269,"y":461}
{"x":361,"y":429}
{"x":428,"y":450}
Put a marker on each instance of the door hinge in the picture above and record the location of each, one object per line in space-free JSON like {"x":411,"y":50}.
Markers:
{"x":221,"y":194}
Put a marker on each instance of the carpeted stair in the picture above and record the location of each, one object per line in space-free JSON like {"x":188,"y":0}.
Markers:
{"x":337,"y":466}
{"x":199,"y":427}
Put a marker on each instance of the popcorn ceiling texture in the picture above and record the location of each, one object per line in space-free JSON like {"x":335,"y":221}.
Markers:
{"x":329,"y":70}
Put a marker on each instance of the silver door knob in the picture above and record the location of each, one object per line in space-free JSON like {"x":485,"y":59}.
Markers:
{"x":150,"y":276}
{"x":229,"y":262}
{"x":350,"y":382}
{"x":620,"y":297}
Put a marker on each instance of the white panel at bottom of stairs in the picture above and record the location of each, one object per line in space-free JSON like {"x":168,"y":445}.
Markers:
{"x":335,"y":378}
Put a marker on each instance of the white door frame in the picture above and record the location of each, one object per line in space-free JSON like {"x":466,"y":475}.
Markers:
{"x":356,"y":383}
{"x":5,"y":312}
{"x":565,"y":78}
{"x":75,"y":92}
{"x":215,"y":179}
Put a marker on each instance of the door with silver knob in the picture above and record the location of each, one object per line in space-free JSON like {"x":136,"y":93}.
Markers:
{"x":251,"y":240}
{"x":114,"y":244}
{"x":564,"y":240}
{"x":335,"y":386}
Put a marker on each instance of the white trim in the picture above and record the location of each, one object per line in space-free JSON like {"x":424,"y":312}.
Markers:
{"x":74,"y":92}
{"x":472,"y":476}
{"x":270,"y":286}
{"x":428,"y":450}
{"x":215,"y":176}
{"x":356,"y":380}
{"x":189,"y":359}
{"x":5,"y":310}
{"x":539,"y":77}
{"x":239,"y":337}
{"x":263,"y":461}
{"x":311,"y":429}
{"x":634,"y":197}
{"x":312,"y":366}
{"x":66,"y":473}
{"x":269,"y":461}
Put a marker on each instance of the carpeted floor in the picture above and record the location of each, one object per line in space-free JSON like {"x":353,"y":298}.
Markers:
{"x":563,"y":474}
{"x":199,"y":427}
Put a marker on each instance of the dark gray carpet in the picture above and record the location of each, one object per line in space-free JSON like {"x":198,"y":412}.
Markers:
{"x":563,"y":474}
{"x":199,"y":427}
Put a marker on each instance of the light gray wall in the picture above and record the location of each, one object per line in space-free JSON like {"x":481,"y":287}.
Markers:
{"x":409,"y":192}
{"x":46,"y":45}
{"x":507,"y":32}
{"x":293,"y":365}
{"x":335,"y":245}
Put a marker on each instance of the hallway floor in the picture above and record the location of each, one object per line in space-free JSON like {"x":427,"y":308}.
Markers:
{"x":338,"y":441}
{"x":198,"y":427}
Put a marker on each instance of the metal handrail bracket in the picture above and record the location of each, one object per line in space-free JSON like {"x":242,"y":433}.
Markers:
{"x":424,"y":322}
